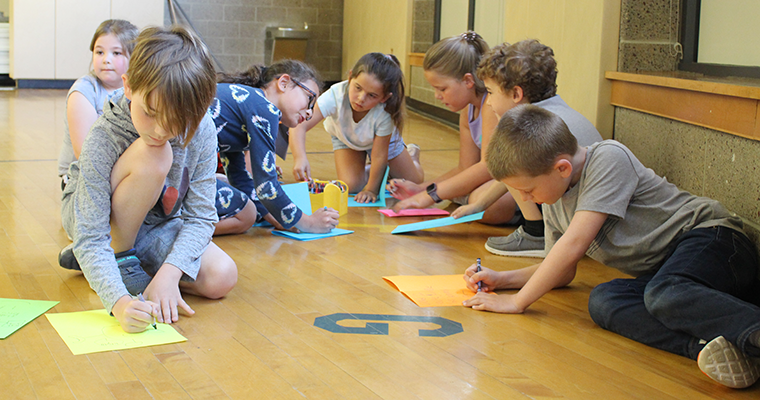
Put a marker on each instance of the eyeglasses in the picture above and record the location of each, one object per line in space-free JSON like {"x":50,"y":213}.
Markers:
{"x":312,"y":95}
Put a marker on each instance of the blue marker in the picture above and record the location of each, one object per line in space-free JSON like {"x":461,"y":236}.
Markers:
{"x":480,"y":283}
{"x":141,"y":298}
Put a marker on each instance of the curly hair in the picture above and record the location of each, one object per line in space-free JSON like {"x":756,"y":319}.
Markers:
{"x":527,"y":64}
{"x":527,"y":141}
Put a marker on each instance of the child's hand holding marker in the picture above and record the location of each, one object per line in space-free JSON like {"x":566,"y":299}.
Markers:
{"x":134,"y":314}
{"x":142,"y":299}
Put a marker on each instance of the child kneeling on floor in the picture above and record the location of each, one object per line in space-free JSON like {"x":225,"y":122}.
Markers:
{"x":695,"y":291}
{"x":140,"y":201}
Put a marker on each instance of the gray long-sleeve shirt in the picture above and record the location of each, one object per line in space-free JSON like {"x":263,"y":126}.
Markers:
{"x":86,"y":204}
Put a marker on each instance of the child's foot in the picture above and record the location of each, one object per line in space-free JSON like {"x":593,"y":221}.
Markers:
{"x":67,"y":260}
{"x":723,"y":362}
{"x":517,"y":244}
{"x":132,"y":274}
{"x":414,"y":151}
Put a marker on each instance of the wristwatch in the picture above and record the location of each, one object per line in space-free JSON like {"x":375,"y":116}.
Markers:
{"x":431,"y":191}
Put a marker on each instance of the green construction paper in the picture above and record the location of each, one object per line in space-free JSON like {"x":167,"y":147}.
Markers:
{"x":15,"y":313}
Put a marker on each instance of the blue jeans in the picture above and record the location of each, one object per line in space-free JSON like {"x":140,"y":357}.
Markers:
{"x":706,"y":287}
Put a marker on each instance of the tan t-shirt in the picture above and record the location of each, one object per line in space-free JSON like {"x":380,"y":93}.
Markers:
{"x":646,"y":213}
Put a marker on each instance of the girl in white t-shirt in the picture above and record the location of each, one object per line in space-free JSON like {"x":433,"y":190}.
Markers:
{"x":365,"y":116}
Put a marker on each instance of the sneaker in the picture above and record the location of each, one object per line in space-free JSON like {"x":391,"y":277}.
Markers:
{"x":414,"y":151}
{"x":518,"y":244}
{"x":724,"y":363}
{"x":67,"y":260}
{"x":132,"y":274}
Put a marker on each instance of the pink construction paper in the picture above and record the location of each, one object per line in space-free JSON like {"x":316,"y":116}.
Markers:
{"x":414,"y":212}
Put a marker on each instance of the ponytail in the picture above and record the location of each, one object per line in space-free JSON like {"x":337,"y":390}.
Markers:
{"x":386,"y":68}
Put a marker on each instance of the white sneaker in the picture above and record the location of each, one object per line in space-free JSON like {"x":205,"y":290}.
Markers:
{"x":724,"y":363}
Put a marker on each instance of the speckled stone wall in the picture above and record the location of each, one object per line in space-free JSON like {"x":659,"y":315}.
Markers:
{"x":702,"y":161}
{"x":235,"y":30}
{"x":648,"y":33}
{"x":422,"y":38}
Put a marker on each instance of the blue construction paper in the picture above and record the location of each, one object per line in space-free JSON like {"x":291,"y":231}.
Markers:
{"x":299,"y":194}
{"x":312,"y":236}
{"x":380,"y":198}
{"x":436,"y":223}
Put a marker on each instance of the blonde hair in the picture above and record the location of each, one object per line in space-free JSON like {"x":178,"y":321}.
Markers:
{"x":527,"y":64}
{"x":124,"y":31}
{"x":527,"y":141}
{"x":456,"y":56}
{"x":386,"y":68}
{"x":173,"y":65}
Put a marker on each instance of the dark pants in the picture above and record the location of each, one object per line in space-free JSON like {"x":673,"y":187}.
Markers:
{"x":706,"y":287}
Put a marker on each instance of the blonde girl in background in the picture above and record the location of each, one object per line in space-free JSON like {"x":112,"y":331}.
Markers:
{"x":364,"y":116}
{"x":111,"y":47}
{"x":450,"y":67}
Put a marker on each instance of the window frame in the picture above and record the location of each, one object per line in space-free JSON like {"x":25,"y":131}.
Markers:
{"x":690,"y":42}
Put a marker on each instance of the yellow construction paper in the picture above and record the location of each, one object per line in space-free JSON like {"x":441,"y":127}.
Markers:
{"x":432,"y":290}
{"x":95,"y":331}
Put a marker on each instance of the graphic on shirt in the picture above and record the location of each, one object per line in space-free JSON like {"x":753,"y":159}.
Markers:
{"x":274,"y":110}
{"x":224,"y":196}
{"x":239,"y":93}
{"x":262,"y":124}
{"x":266,"y":191}
{"x":268,"y":164}
{"x":288,"y":213}
{"x":220,"y":127}
{"x":223,"y":148}
{"x":171,"y":195}
{"x":215,"y":109}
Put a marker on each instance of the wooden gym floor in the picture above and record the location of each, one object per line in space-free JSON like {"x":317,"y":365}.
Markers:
{"x":260,"y":341}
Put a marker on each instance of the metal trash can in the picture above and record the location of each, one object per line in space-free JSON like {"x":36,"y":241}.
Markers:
{"x":283,"y":42}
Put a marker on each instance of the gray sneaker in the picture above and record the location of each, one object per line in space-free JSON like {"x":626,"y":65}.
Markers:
{"x":66,"y":258}
{"x":518,"y":244}
{"x":132,"y":274}
{"x":724,"y":363}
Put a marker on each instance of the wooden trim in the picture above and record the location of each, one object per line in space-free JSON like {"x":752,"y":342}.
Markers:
{"x":725,"y":107}
{"x":416,"y":59}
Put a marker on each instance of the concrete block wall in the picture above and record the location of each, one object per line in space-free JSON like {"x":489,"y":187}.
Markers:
{"x":235,"y":30}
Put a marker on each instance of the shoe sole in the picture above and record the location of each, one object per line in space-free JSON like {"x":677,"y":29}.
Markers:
{"x":523,"y":253}
{"x":722,"y":362}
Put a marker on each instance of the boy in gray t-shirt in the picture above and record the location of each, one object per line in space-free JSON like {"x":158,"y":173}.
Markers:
{"x":695,"y":291}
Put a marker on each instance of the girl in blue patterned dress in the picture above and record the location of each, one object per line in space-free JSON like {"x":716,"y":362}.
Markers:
{"x":247,"y":111}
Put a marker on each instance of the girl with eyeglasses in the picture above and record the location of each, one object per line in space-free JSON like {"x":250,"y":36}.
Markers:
{"x":365,"y":116}
{"x":247,"y":110}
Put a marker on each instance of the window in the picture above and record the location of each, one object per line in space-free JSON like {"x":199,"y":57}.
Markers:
{"x":720,"y":37}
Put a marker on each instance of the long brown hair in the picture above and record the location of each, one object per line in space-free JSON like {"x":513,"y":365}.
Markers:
{"x":386,"y":68}
{"x":259,"y":76}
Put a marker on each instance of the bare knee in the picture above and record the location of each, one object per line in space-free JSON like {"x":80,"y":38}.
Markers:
{"x":221,"y":280}
{"x":218,"y":274}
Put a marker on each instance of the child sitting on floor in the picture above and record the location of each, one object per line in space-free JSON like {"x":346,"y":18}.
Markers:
{"x":695,"y":291}
{"x":524,"y":73}
{"x":140,"y":202}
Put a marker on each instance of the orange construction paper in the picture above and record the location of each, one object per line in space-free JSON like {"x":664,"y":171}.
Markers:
{"x":432,"y":290}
